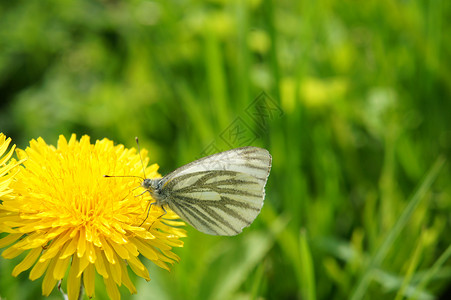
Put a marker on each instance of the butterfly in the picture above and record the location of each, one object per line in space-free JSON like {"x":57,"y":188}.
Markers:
{"x":219,"y":194}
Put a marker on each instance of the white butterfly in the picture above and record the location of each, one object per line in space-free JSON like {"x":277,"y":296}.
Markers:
{"x":219,"y":194}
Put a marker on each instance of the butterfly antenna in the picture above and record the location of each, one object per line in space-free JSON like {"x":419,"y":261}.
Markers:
{"x":144,"y":172}
{"x":111,"y":176}
{"x":139,"y":151}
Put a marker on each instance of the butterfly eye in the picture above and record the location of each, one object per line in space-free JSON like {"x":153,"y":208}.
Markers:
{"x":146,"y":183}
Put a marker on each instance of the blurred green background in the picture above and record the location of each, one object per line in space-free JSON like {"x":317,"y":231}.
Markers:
{"x":352,"y":99}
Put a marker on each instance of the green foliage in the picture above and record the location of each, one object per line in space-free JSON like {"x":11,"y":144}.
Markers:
{"x":357,"y":120}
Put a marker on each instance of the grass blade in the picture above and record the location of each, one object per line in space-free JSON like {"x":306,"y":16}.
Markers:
{"x":377,"y":259}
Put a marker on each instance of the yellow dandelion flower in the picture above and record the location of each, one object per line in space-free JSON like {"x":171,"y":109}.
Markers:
{"x":64,"y":214}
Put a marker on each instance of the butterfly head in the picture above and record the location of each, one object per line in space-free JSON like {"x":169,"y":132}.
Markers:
{"x":150,"y":184}
{"x":153,"y":186}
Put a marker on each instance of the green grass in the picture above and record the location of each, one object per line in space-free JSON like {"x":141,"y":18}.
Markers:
{"x":358,"y":199}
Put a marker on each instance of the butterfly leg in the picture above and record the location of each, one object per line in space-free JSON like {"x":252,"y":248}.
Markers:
{"x":141,"y":193}
{"x":164,"y":212}
{"x":148,"y":211}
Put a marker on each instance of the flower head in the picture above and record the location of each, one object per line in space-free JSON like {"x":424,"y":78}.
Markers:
{"x":65,"y":214}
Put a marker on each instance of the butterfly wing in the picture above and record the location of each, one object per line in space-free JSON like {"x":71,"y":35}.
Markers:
{"x":221,"y":193}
